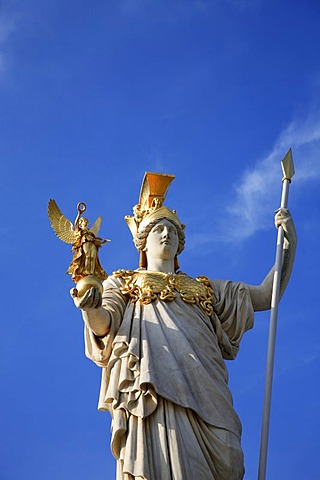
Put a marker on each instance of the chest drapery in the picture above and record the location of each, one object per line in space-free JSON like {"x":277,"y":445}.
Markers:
{"x":170,"y":347}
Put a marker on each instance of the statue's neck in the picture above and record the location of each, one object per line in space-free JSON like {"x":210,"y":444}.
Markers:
{"x":159,"y":265}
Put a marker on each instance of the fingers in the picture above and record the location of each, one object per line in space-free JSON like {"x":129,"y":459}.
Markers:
{"x":283,"y":219}
{"x":87,"y":300}
{"x":282,"y":216}
{"x":282,"y":211}
{"x":91,"y":299}
{"x":98,"y":301}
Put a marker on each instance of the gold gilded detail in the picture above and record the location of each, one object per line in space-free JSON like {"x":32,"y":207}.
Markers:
{"x":150,"y":207}
{"x":85,"y":266}
{"x":146,"y":286}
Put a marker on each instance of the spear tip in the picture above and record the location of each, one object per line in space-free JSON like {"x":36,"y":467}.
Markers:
{"x":287,"y":166}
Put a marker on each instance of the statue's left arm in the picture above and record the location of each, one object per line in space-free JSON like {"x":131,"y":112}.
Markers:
{"x":261,"y":294}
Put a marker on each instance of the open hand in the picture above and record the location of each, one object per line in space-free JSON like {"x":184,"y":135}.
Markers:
{"x":91,"y":299}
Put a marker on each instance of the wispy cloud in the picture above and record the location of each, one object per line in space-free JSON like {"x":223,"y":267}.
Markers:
{"x":259,"y":187}
{"x":7,"y":26}
{"x":300,"y":359}
{"x":257,"y":192}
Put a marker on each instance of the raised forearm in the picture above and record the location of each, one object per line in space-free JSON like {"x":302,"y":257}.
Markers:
{"x":98,"y":320}
{"x":289,"y":251}
{"x":261,"y":295}
{"x":95,"y":316}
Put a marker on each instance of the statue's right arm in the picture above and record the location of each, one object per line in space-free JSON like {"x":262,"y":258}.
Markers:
{"x":96,"y":317}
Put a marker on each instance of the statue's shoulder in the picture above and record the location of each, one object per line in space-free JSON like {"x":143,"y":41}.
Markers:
{"x":205,"y":280}
{"x":199,"y":279}
{"x":117,"y":278}
{"x":123,"y":274}
{"x":199,"y":284}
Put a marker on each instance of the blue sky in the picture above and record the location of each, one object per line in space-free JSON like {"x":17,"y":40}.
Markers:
{"x":93,"y":94}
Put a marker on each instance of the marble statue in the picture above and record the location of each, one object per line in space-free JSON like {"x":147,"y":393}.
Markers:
{"x":161,"y":338}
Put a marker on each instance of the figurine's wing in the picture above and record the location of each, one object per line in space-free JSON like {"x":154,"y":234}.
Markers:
{"x":61,"y":225}
{"x":96,"y":226}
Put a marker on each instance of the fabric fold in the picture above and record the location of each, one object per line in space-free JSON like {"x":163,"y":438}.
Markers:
{"x":163,"y":377}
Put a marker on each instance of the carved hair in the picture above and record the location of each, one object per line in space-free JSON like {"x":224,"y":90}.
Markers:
{"x":141,"y":238}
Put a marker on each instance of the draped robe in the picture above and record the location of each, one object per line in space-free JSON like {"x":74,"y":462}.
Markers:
{"x":165,"y":383}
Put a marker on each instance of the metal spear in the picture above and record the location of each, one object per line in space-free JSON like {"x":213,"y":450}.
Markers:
{"x":288,"y":172}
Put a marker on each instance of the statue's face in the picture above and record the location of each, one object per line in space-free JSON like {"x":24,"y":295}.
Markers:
{"x":162,"y":241}
{"x":83,"y":223}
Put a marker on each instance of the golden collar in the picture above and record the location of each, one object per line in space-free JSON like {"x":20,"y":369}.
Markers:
{"x":146,"y":286}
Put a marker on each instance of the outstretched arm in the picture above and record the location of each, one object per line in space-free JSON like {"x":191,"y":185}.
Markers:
{"x":95,"y":316}
{"x":261,"y":294}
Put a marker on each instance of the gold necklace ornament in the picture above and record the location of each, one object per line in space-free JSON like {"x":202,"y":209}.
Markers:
{"x":146,"y":286}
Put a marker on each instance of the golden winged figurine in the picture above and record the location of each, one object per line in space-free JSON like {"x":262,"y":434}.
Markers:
{"x":85,"y":268}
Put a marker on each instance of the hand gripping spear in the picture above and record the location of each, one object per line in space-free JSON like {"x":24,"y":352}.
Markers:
{"x":288,"y":172}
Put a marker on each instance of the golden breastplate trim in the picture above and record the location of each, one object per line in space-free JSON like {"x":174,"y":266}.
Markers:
{"x":147,"y":286}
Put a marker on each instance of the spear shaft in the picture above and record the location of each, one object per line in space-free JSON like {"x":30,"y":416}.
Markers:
{"x":288,"y":171}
